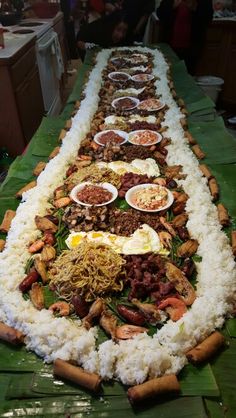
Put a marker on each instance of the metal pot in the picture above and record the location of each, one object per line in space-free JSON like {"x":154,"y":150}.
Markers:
{"x":9,"y":18}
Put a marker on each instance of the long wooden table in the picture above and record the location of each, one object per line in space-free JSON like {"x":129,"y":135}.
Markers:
{"x":27,"y":386}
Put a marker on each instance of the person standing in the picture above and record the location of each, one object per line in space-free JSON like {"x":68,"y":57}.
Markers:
{"x":183,"y":25}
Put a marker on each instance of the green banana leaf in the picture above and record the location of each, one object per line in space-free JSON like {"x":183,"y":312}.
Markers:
{"x":216,"y":142}
{"x":100,"y":406}
{"x":194,"y":98}
{"x":198,"y":381}
{"x":226,"y":178}
{"x":231,"y":327}
{"x":46,"y":137}
{"x":224,"y":369}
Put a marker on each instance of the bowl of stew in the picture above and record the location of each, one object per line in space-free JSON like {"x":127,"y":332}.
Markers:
{"x":94,"y":194}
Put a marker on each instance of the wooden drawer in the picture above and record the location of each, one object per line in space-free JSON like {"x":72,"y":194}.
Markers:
{"x":19,"y":71}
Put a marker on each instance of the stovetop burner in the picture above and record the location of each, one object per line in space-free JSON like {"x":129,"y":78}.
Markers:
{"x":30,"y":24}
{"x":23,"y":31}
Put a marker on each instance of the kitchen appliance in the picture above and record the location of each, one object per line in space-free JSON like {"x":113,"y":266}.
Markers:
{"x":49,"y":60}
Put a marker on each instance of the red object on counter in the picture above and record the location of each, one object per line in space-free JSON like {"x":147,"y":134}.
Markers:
{"x":45,"y":10}
{"x":1,"y":38}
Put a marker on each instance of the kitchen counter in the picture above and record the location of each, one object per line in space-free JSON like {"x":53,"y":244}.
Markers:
{"x":14,"y":44}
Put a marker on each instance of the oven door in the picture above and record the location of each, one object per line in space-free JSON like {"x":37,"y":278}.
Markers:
{"x":48,"y":72}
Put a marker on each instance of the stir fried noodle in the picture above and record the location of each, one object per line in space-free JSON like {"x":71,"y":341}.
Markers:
{"x":91,"y":269}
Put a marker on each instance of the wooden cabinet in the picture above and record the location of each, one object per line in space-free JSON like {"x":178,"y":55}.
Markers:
{"x":21,"y":104}
{"x":219,"y":58}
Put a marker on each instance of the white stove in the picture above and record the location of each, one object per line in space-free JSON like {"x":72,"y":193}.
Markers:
{"x":35,"y":26}
{"x":49,"y":59}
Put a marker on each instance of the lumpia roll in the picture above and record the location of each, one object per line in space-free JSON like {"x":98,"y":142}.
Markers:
{"x":2,"y":244}
{"x":77,"y":375}
{"x":39,"y":168}
{"x":190,"y":138}
{"x":11,"y":335}
{"x":214,"y":188}
{"x":184,"y":123}
{"x":27,"y":187}
{"x":62,"y":135}
{"x":223,"y":215}
{"x":205,"y":171}
{"x":6,"y":222}
{"x":54,"y":152}
{"x":198,"y":152}
{"x":68,"y":124}
{"x":154,"y":387}
{"x":206,"y":348}
{"x":233,"y":242}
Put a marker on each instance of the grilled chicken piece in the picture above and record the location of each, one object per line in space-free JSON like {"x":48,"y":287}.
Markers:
{"x":181,"y":283}
{"x":150,"y":311}
{"x":95,"y":311}
{"x":36,"y":296}
{"x":109,"y":323}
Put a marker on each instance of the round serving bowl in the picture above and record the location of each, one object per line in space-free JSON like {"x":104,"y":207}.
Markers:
{"x":142,"y":78}
{"x":124,"y":136}
{"x":158,"y":105}
{"x":114,"y":76}
{"x":107,"y":186}
{"x":157,"y":137}
{"x":115,"y":103}
{"x":131,"y":192}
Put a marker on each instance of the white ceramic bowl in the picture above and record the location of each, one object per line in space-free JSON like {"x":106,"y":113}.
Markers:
{"x":161,"y":105}
{"x":107,"y":186}
{"x":116,"y":101}
{"x":130,"y":192}
{"x":123,"y":134}
{"x":113,"y":75}
{"x":146,"y":78}
{"x":157,"y":135}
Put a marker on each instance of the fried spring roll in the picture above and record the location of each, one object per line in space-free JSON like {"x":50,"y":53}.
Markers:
{"x":39,"y":168}
{"x":214,"y":189}
{"x":2,"y":244}
{"x":77,"y":375}
{"x":223,"y":215}
{"x":54,"y":152}
{"x":26,"y":188}
{"x":62,"y":135}
{"x":10,"y":335}
{"x":68,"y":124}
{"x":198,"y":152}
{"x":205,"y":171}
{"x":181,"y":102}
{"x":233,"y":242}
{"x":184,"y":123}
{"x":153,"y":388}
{"x":190,"y":138}
{"x":77,"y":104}
{"x":6,"y":222}
{"x":206,"y":348}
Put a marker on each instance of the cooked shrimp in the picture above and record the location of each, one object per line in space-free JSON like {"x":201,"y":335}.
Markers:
{"x":62,"y":308}
{"x":36,"y":246}
{"x":174,"y":307}
{"x":124,"y":332}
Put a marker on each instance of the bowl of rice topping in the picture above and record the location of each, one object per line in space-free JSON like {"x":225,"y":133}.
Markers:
{"x":144,"y":137}
{"x":90,"y":194}
{"x":149,"y":197}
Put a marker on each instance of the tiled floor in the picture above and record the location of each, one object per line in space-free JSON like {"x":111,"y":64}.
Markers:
{"x":72,"y":72}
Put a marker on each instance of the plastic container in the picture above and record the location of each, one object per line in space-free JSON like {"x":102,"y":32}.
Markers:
{"x":210,"y":85}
